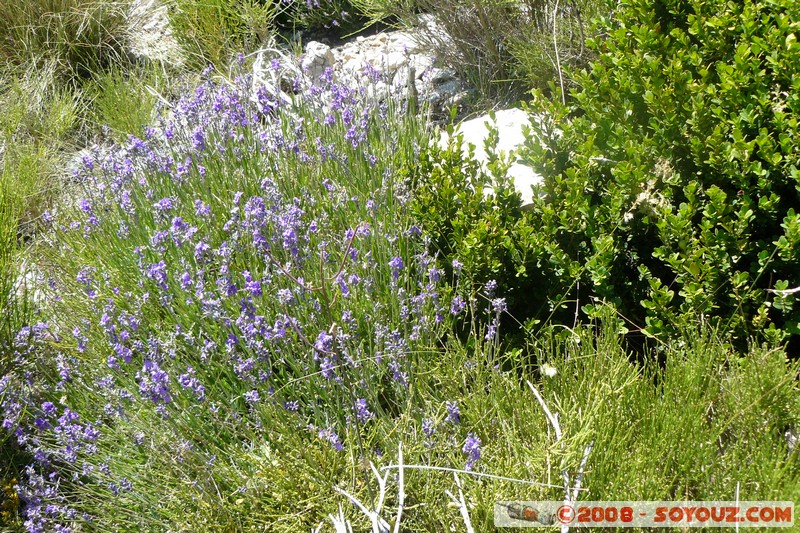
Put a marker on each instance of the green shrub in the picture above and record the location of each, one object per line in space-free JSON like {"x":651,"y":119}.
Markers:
{"x":338,"y":17}
{"x":213,"y":31}
{"x":674,"y":179}
{"x":553,"y":42}
{"x":120,"y":98}
{"x":670,"y":185}
{"x":488,"y":233}
{"x":698,"y":426}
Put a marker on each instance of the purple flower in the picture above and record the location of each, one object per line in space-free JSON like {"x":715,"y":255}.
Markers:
{"x":285,"y":296}
{"x":397,"y":265}
{"x":164,"y":205}
{"x":330,"y":436}
{"x":200,"y":251}
{"x":251,"y":396}
{"x":290,"y":240}
{"x":254,"y":287}
{"x":201,"y":209}
{"x":198,"y":139}
{"x":457,"y":266}
{"x":453,"y":413}
{"x":362,"y":412}
{"x":189,"y":381}
{"x":84,"y":277}
{"x":458,"y":305}
{"x":343,"y":286}
{"x":327,"y":368}
{"x":499,"y":305}
{"x":427,"y":427}
{"x":491,"y":287}
{"x":324,"y":343}
{"x":186,"y":281}
{"x":158,"y":273}
{"x":154,"y":383}
{"x":123,"y":352}
{"x":472,"y":447}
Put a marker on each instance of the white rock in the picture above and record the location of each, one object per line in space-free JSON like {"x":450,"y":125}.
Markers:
{"x":403,"y":41}
{"x":509,"y":124}
{"x":317,"y":58}
{"x":149,"y":34}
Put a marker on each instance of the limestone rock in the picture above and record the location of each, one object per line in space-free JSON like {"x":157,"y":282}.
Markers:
{"x":317,"y":58}
{"x":149,"y":34}
{"x":509,"y":124}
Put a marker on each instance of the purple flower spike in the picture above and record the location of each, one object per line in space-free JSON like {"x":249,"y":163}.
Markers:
{"x":333,"y":438}
{"x":324,"y":343}
{"x":427,"y":427}
{"x":252,"y":396}
{"x":453,"y":413}
{"x":164,"y":205}
{"x":472,"y":447}
{"x":499,"y":305}
{"x":458,"y":305}
{"x":158,"y":273}
{"x":491,"y":287}
{"x":397,"y":265}
{"x":198,"y":139}
{"x":362,"y":412}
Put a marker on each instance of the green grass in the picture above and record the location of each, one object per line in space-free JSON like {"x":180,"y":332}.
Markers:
{"x":124,"y":100}
{"x":78,"y":36}
{"x":213,"y":31}
{"x":36,"y":125}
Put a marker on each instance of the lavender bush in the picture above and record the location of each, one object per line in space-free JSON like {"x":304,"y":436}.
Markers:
{"x":242,"y":282}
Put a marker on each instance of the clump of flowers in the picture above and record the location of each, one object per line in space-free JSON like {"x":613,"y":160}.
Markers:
{"x":246,"y":259}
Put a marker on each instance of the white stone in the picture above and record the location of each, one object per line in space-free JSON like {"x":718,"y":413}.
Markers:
{"x":149,"y":34}
{"x":509,"y":124}
{"x":317,"y":58}
{"x":402,"y":40}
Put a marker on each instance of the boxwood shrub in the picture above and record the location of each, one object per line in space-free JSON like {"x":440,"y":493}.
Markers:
{"x":671,"y":183}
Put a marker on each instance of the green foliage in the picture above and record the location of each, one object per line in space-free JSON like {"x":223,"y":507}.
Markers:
{"x":700,"y":425}
{"x":671,"y":192}
{"x":553,"y":42}
{"x":36,"y":108}
{"x":79,"y":36}
{"x":125,"y":99}
{"x":339,"y":17}
{"x":474,"y":217}
{"x":24,"y":191}
{"x":674,"y":178}
{"x":36,"y":123}
{"x":212,"y":31}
